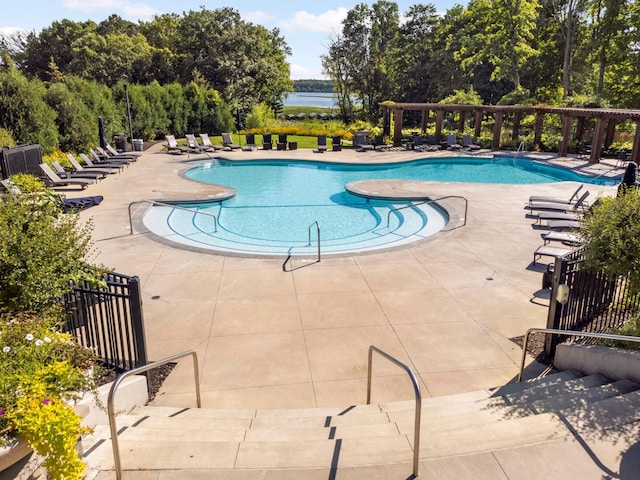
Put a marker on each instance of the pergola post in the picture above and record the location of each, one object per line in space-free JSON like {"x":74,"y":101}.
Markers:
{"x":478,"y":123}
{"x":611,"y":132}
{"x":537,"y":135}
{"x":598,"y":136}
{"x":497,"y":129}
{"x":516,"y":125}
{"x":579,"y":129}
{"x":398,"y":115}
{"x":461,"y":121}
{"x":566,"y":134}
{"x":425,"y":117}
{"x":635,"y":150}
{"x":439,"y":118}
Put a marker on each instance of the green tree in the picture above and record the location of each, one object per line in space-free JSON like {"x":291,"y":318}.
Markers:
{"x":23,"y":110}
{"x":74,"y":120}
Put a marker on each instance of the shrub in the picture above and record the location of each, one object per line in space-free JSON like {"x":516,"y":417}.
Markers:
{"x":42,"y":372}
{"x":6,"y":139}
{"x":261,"y":116}
{"x":28,"y":183}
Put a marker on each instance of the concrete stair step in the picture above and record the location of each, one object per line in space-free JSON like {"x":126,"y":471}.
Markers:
{"x":493,"y":436}
{"x":578,"y":399}
{"x":619,"y":411}
{"x":547,"y":380}
{"x":541,"y":392}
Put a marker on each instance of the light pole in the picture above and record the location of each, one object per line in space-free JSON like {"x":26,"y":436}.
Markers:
{"x":126,"y":94}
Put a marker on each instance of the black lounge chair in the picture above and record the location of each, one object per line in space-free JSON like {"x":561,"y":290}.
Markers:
{"x":322,"y":144}
{"x":452,"y":142}
{"x":380,"y":144}
{"x":115,"y":165}
{"x":468,"y":144}
{"x":267,"y":142}
{"x":282,"y":142}
{"x":361,"y":144}
{"x":227,"y":142}
{"x":250,"y":142}
{"x":80,"y":169}
{"x":336,"y":143}
{"x":66,"y":174}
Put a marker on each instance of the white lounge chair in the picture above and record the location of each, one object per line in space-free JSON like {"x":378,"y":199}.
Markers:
{"x":113,"y":165}
{"x":172,"y":145}
{"x":545,"y":199}
{"x":564,"y":237}
{"x":114,"y":153}
{"x":55,"y":181}
{"x":580,"y":204}
{"x":550,"y":251}
{"x":206,"y":142}
{"x":195,"y":146}
{"x":563,"y":224}
{"x":64,"y":174}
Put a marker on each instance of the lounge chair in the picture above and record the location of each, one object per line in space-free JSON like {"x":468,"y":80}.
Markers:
{"x":102,"y":158}
{"x":322,"y":144}
{"x":544,"y":199}
{"x":563,"y":224}
{"x":361,"y":144}
{"x":10,"y":187}
{"x":336,"y":143}
{"x":432,"y":141}
{"x":452,"y":142}
{"x":194,"y":145}
{"x":173,"y":147}
{"x":80,"y":170}
{"x":55,"y":181}
{"x":227,"y":142}
{"x":65,"y":174}
{"x":468,"y":144}
{"x":380,"y":144}
{"x":206,"y":142}
{"x":112,"y":165}
{"x":250,"y":140}
{"x":567,"y":238}
{"x":282,"y":142}
{"x":421,"y":146}
{"x":550,"y":251}
{"x":580,"y":204}
{"x":114,"y":153}
{"x":267,"y":142}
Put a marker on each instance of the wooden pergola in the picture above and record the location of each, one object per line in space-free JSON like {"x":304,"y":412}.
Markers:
{"x":603,"y":135}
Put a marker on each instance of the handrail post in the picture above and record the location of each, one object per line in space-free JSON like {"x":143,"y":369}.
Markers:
{"x":318,"y":235}
{"x":418,"y":397}
{"x":114,"y":387}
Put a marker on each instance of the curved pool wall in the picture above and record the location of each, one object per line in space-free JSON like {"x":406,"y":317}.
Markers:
{"x":279,"y":203}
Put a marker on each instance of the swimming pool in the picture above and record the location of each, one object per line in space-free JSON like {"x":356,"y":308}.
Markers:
{"x":279,"y":202}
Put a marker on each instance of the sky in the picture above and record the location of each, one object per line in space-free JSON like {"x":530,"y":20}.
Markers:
{"x":307,"y":27}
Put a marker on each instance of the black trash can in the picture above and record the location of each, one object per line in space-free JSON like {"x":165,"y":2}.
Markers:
{"x":121,"y":142}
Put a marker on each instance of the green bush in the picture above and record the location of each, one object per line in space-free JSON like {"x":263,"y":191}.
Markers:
{"x":6,"y":139}
{"x":261,"y":116}
{"x":28,"y":183}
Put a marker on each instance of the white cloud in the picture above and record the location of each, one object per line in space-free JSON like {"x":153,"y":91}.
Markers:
{"x":129,"y":10}
{"x":299,"y":72}
{"x":329,"y":21}
{"x":257,"y":17}
{"x":8,"y":31}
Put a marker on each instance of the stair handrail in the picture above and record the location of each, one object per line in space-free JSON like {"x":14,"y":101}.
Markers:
{"x":165,"y":204}
{"x":318,"y":233}
{"x":432,"y":200}
{"x":112,"y":392}
{"x":418,"y":395}
{"x":570,"y":333}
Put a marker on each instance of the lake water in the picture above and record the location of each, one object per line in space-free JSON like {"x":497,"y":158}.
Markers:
{"x":311,"y":99}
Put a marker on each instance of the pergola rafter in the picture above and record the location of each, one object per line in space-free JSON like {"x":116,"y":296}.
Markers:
{"x":605,"y":118}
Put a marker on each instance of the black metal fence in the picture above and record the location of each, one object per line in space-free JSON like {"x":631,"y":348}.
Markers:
{"x":596,"y":302}
{"x":109,"y":321}
{"x":20,"y":159}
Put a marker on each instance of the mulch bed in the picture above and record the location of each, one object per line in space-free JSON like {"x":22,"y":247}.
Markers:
{"x":535,"y":347}
{"x":155,"y":378}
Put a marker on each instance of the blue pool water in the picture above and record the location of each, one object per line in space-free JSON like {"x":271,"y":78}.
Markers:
{"x":278,"y":201}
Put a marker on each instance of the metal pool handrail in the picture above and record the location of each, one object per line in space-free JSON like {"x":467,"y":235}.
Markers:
{"x":433,"y":200}
{"x":416,"y":389}
{"x":570,"y":333}
{"x":318,"y":232}
{"x":163,"y":204}
{"x":112,"y":393}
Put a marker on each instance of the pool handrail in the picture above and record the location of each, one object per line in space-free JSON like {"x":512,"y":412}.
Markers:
{"x":114,"y":387}
{"x":432,"y":200}
{"x":569,"y":333}
{"x":418,"y":397}
{"x":318,"y":233}
{"x":165,"y":204}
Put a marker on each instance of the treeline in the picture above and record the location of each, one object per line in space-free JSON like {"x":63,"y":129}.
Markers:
{"x":186,"y":73}
{"x":312,"y":85}
{"x":63,"y":113}
{"x":568,"y":52}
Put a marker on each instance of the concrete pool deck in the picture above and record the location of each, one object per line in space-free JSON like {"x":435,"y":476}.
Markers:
{"x":269,"y":338}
